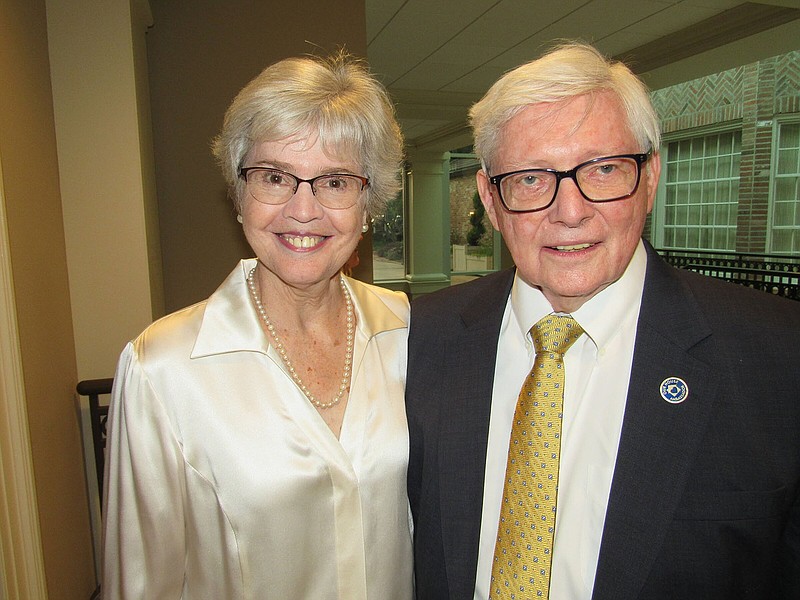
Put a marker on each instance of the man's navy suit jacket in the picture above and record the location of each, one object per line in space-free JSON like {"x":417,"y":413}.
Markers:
{"x":704,"y":500}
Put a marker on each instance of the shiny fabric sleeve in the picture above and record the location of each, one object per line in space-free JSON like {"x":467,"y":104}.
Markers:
{"x":143,"y":519}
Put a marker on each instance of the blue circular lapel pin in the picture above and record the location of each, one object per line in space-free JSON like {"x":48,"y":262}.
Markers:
{"x":674,"y":390}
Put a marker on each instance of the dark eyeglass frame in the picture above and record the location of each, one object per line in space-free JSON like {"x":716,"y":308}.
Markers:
{"x":640,"y":159}
{"x":243,"y":171}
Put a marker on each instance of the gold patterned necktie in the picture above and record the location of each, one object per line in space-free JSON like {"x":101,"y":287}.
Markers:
{"x":523,"y":553}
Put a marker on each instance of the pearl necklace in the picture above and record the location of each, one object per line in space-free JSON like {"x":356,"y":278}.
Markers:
{"x":348,"y":356}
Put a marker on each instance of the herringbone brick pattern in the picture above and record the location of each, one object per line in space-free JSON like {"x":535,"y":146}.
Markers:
{"x":787,"y":82}
{"x":705,"y":101}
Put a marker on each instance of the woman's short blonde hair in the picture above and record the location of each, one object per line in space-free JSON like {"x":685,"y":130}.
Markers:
{"x":335,"y":98}
{"x":569,"y":70}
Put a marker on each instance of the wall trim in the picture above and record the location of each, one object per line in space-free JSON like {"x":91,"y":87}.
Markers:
{"x":20,"y":537}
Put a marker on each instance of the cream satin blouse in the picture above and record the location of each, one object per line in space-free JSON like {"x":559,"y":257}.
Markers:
{"x":223,"y":481}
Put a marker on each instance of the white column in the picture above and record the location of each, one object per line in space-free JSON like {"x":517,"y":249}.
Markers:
{"x":428,"y":241}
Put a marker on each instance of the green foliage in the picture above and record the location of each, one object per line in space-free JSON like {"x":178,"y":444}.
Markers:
{"x":477,"y":228}
{"x":482,"y":250}
{"x":389,"y":226}
{"x":387,"y":231}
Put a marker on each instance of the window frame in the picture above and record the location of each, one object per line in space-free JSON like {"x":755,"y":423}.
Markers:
{"x":658,"y":217}
{"x":778,"y":122}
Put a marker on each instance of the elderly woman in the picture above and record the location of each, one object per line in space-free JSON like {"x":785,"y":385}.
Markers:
{"x":257,"y":440}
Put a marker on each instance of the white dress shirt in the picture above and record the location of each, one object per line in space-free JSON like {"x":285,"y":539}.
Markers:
{"x":598,"y":368}
{"x":223,"y":481}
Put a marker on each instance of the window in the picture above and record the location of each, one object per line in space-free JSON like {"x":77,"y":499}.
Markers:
{"x":388,"y":250}
{"x":473,"y":244}
{"x":700,"y":195}
{"x":785,"y":230}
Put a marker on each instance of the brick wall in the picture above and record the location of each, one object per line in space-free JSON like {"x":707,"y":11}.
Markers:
{"x":750,"y":97}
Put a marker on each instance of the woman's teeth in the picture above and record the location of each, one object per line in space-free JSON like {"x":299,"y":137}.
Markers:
{"x":305,"y":241}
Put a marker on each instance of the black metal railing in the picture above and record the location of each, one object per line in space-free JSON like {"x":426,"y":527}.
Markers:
{"x":772,"y":273}
{"x":98,"y":413}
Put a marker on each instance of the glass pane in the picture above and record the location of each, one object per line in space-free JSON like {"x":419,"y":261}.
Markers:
{"x":712,"y":145}
{"x":787,"y":161}
{"x":733,"y":192}
{"x":730,"y":244}
{"x":698,"y":147}
{"x":695,"y":192}
{"x":683,"y":170}
{"x":706,"y":237}
{"x":725,"y":165}
{"x":784,"y":189}
{"x":672,"y":151}
{"x":681,"y":194}
{"x":672,"y":172}
{"x":736,"y":136}
{"x":684,"y":149}
{"x":471,"y":232}
{"x":670,"y":195}
{"x":790,"y":136}
{"x":693,"y":238}
{"x":725,"y":143}
{"x":706,"y":216}
{"x":709,"y":193}
{"x":709,"y":169}
{"x":717,"y":239}
{"x":781,"y":240}
{"x":696,"y":169}
{"x":724,"y":192}
{"x":783,"y":214}
{"x":694,"y":214}
{"x":721,"y":214}
{"x":388,"y":261}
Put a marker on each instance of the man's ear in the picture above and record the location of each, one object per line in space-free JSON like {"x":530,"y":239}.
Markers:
{"x":487,"y":193}
{"x":652,"y":170}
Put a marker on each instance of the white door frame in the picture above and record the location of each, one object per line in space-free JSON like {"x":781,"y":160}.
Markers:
{"x":22,"y":576}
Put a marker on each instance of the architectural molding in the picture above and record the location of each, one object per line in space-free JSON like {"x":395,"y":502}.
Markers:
{"x":20,"y":537}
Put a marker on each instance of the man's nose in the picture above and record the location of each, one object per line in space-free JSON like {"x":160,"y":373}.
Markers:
{"x":570,"y":206}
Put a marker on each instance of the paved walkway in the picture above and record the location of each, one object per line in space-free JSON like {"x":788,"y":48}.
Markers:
{"x":391,"y":270}
{"x":384,"y":269}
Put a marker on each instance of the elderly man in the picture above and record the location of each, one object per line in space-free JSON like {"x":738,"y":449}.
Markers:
{"x":594,"y":423}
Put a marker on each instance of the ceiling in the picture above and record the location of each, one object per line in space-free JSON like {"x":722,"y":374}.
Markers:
{"x":437,"y":57}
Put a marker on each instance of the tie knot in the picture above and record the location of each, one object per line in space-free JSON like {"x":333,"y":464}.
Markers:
{"x":555,"y":334}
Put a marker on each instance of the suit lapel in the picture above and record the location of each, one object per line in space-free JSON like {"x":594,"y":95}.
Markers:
{"x":659,"y":439}
{"x":465,"y":429}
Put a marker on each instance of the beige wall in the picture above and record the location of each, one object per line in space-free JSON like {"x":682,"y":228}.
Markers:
{"x":200,"y":55}
{"x":79,"y":190}
{"x":107,"y":188}
{"x":39,"y":269}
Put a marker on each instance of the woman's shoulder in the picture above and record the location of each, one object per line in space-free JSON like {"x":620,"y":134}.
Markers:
{"x":177,"y":330}
{"x":380,"y":298}
{"x":180,"y":329}
{"x":165,"y":346}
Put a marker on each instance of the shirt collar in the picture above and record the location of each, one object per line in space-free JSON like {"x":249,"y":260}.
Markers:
{"x":231,"y":324}
{"x":377,"y":312}
{"x":601,"y":315}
